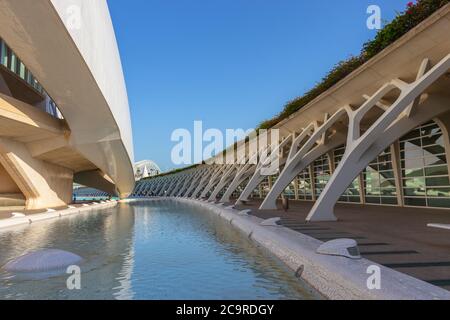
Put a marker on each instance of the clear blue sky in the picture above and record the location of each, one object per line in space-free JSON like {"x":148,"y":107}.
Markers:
{"x":229,"y":63}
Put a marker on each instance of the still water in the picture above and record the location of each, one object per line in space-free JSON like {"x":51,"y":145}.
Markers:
{"x":148,"y":250}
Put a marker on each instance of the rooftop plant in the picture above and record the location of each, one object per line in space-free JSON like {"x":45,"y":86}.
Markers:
{"x":414,"y":14}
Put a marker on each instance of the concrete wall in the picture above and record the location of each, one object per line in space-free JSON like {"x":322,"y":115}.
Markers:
{"x":7,"y":184}
{"x":96,"y":41}
{"x":79,"y":66}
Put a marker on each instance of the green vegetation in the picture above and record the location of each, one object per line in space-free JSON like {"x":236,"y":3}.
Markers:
{"x":171,"y":172}
{"x":414,"y":14}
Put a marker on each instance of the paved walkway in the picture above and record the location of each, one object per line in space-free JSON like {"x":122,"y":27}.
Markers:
{"x":395,"y":237}
{"x":6,"y":213}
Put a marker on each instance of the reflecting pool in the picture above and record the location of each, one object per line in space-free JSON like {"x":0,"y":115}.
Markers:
{"x":148,"y":250}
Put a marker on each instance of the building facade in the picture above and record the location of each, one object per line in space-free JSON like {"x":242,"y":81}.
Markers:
{"x":145,"y":169}
{"x":378,"y":137}
{"x":64,"y":113}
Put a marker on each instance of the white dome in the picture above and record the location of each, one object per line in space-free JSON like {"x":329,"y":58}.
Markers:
{"x":144,"y":169}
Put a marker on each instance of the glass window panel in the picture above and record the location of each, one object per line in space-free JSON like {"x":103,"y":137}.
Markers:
{"x":430,"y":167}
{"x":439,"y":202}
{"x":373,"y":200}
{"x":13,"y":62}
{"x":436,"y":171}
{"x":413,"y":147}
{"x":418,"y":192}
{"x":438,"y":192}
{"x":411,"y":173}
{"x":430,"y":141}
{"x":389,"y":201}
{"x":413,"y":163}
{"x":3,"y":53}
{"x":435,"y":160}
{"x":388,"y":192}
{"x":437,"y":181}
{"x":416,"y":202}
{"x":414,"y":183}
{"x":413,"y":134}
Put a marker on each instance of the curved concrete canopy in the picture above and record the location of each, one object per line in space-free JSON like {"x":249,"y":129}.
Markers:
{"x":78,"y":64}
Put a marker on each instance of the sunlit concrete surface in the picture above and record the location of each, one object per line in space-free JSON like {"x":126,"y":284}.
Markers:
{"x":12,"y":219}
{"x":70,"y":49}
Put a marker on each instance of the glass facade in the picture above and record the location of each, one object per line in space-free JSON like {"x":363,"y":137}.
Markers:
{"x":322,"y":174}
{"x":10,"y":61}
{"x":379,"y":180}
{"x":305,"y":191}
{"x":425,"y":178}
{"x":290,"y":191}
{"x":352,"y":194}
{"x":265,"y":187}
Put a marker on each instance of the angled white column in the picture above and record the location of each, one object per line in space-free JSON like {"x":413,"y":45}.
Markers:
{"x":243,"y":173}
{"x":147,"y":188}
{"x":188,"y":179}
{"x":257,"y":177}
{"x":193,"y":184}
{"x":166,"y":182}
{"x":214,"y":180}
{"x":154,"y":186}
{"x":300,"y":157}
{"x":396,"y":121}
{"x":183,"y":183}
{"x":176,"y":180}
{"x":224,"y":180}
{"x":204,"y":181}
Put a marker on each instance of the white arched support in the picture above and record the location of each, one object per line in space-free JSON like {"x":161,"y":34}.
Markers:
{"x":194,"y":183}
{"x":187,"y":181}
{"x":178,"y":181}
{"x":215,"y":178}
{"x":243,"y":173}
{"x":164,"y":185}
{"x":258,"y":177}
{"x":318,"y":142}
{"x":205,"y":180}
{"x":226,"y":178}
{"x":410,"y":109}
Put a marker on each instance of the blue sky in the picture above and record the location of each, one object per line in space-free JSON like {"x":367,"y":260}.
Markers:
{"x":228,"y":63}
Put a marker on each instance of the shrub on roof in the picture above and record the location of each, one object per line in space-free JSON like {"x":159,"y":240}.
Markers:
{"x":414,"y":14}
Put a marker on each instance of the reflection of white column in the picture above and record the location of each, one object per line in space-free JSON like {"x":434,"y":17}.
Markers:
{"x":118,"y":231}
{"x":125,"y":274}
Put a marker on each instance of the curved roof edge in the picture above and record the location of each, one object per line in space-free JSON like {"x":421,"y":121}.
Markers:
{"x":79,"y":66}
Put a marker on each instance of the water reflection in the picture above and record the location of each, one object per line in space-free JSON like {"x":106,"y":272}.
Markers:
{"x":149,"y":250}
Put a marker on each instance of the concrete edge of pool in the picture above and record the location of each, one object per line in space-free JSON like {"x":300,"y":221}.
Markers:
{"x":53,"y":214}
{"x":334,"y":277}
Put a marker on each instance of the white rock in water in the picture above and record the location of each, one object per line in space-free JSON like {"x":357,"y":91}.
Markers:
{"x":42,"y":261}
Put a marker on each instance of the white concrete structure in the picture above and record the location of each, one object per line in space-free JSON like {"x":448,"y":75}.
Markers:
{"x":69,"y":46}
{"x":145,"y":169}
{"x":379,"y":136}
